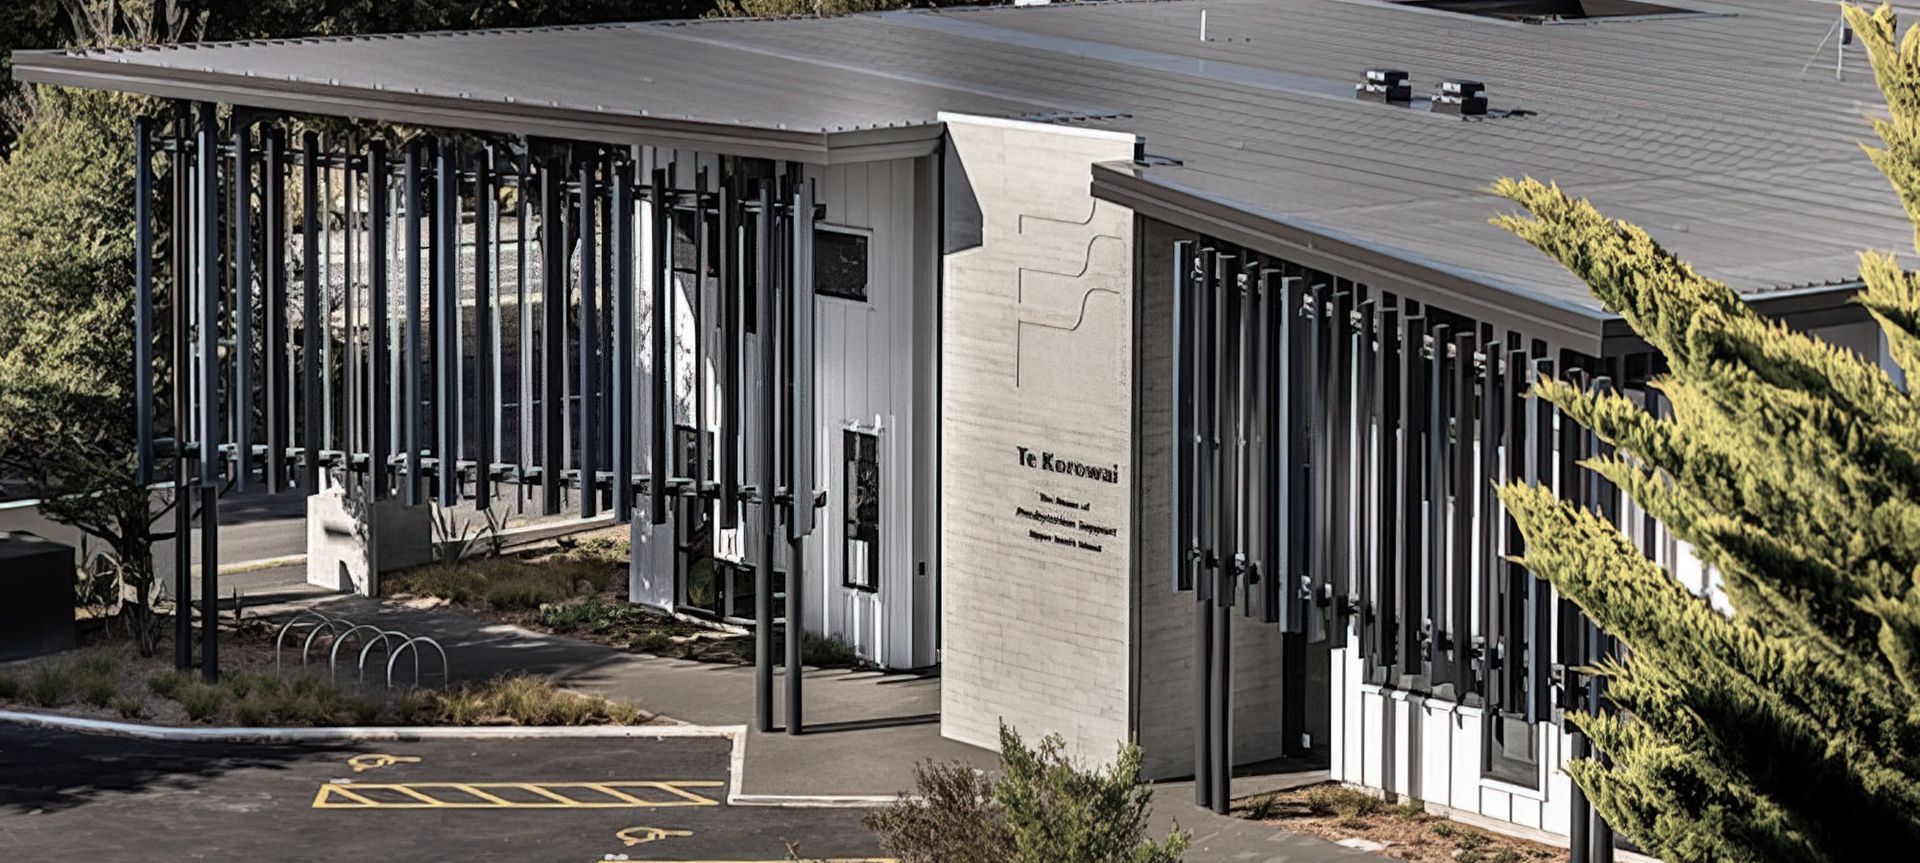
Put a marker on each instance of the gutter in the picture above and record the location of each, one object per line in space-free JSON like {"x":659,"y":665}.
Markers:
{"x":67,"y":69}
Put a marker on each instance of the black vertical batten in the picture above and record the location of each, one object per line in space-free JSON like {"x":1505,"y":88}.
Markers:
{"x":1412,"y":477}
{"x":279,"y":390}
{"x":697,"y":301}
{"x":1439,"y":411}
{"x":620,"y":399}
{"x":553,"y":330}
{"x":589,"y":427}
{"x":143,"y":295}
{"x":1273,"y":420}
{"x":1539,"y":609}
{"x":377,"y":369}
{"x":729,"y":360}
{"x":413,"y":361}
{"x":180,"y":307}
{"x":446,"y":324}
{"x":1462,"y":521}
{"x":208,"y":176}
{"x":765,"y":395}
{"x":241,"y":407}
{"x":1205,"y":475}
{"x":1389,"y":445}
{"x":312,"y":437}
{"x":485,"y":347}
{"x":661,"y":326}
{"x":1225,"y":448}
{"x":799,"y":382}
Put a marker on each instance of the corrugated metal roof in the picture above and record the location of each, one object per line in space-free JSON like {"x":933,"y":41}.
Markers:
{"x":1700,"y":128}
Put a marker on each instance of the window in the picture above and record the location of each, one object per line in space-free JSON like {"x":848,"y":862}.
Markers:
{"x":860,"y":546}
{"x":840,"y":263}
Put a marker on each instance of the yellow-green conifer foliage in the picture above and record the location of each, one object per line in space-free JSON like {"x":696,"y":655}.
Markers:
{"x":1791,"y":730}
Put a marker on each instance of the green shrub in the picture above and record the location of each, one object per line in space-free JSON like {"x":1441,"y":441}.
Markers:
{"x":528,"y":591}
{"x":1506,"y":855}
{"x":364,"y":711}
{"x":130,"y":708}
{"x":1470,"y":840}
{"x":98,"y":690}
{"x":1044,"y":808}
{"x":49,"y":686}
{"x":252,"y":713}
{"x":827,"y":652}
{"x":953,"y":820}
{"x":1058,"y":811}
{"x":167,"y":684}
{"x":1442,"y":828}
{"x":96,"y":665}
{"x":1341,"y":802}
{"x":201,"y":700}
{"x":1262,"y":808}
{"x":9,"y":686}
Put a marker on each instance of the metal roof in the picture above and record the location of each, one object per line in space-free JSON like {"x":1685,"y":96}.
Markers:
{"x":1701,"y":128}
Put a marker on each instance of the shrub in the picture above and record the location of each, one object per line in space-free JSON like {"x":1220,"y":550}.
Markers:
{"x":953,"y":820}
{"x":653,"y":641}
{"x":97,"y":665}
{"x":364,"y":711}
{"x":98,"y":690}
{"x":826,"y":652}
{"x":1470,"y":840}
{"x":252,"y":713}
{"x":1506,"y":855}
{"x":9,"y":686}
{"x":167,"y":684}
{"x":1341,"y":802}
{"x":201,"y":700}
{"x":1262,"y":808}
{"x":1442,"y":828}
{"x":130,"y":708}
{"x":1058,"y":811}
{"x":49,"y":686}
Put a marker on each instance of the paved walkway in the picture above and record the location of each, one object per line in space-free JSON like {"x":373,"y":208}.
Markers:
{"x":865,"y":730}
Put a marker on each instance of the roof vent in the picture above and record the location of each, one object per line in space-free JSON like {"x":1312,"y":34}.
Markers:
{"x":1385,"y":85}
{"x":1465,"y":98}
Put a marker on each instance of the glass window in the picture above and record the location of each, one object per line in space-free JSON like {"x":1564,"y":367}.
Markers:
{"x":840,"y":264}
{"x":861,"y":544}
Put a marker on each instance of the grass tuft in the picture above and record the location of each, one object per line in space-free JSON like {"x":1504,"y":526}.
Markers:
{"x":167,"y":684}
{"x":49,"y":686}
{"x":1341,"y":802}
{"x":129,"y":707}
{"x":201,"y":701}
{"x":9,"y":686}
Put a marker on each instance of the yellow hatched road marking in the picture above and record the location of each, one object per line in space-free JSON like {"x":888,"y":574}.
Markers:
{"x":476,"y":795}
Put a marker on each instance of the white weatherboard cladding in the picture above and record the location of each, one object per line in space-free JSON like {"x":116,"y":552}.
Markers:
{"x":864,"y":380}
{"x":1036,"y":352}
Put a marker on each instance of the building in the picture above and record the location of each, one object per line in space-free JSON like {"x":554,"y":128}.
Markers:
{"x":1149,"y":361}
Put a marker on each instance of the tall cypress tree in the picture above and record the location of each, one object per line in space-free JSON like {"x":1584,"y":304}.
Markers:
{"x":1789,"y":730}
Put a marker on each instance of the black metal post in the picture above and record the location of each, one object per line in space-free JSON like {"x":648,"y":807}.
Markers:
{"x":661,"y":384}
{"x":766,"y":395}
{"x":180,"y":280}
{"x":446,"y":324}
{"x":209,"y":337}
{"x":312,"y":437}
{"x":799,"y":383}
{"x":1225,"y":447}
{"x":414,"y":360}
{"x":622,"y":358}
{"x":278,"y":340}
{"x":377,"y":318}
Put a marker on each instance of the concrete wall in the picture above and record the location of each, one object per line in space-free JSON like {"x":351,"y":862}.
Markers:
{"x":1035,"y":347}
{"x":1163,"y":688}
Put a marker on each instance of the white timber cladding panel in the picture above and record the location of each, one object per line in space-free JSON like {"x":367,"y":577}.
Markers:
{"x":1035,"y":346}
{"x":1164,"y":689}
{"x":864,"y":380}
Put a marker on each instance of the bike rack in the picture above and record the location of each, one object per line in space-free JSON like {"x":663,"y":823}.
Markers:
{"x":409,"y":645}
{"x":340,"y":630}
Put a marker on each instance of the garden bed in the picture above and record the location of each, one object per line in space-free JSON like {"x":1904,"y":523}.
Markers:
{"x":578,"y":587}
{"x":1397,"y":831}
{"x":107,"y":679}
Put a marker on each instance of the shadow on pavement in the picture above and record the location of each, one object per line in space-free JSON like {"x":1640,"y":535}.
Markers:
{"x":52,"y":771}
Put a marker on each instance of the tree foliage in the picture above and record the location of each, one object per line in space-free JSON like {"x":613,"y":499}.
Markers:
{"x":1790,"y":730}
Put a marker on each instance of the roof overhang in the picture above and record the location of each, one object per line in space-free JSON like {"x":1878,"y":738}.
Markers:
{"x":1587,"y":330}
{"x":510,"y":118}
{"x":1563,"y":325}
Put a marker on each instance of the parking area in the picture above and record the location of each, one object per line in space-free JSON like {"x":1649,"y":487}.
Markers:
{"x":84,"y":797}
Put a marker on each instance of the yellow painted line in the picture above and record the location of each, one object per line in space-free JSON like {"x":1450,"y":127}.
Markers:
{"x":469,"y":789}
{"x":424,"y":795}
